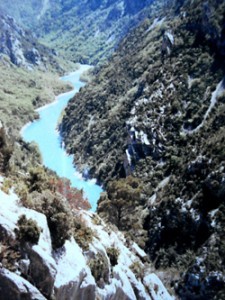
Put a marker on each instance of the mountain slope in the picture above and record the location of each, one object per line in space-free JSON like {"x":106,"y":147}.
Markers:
{"x":29,"y":75}
{"x":22,"y":92}
{"x":50,"y":249}
{"x":156,"y":111}
{"x":88,"y":32}
{"x":84,"y":31}
{"x":23,"y":49}
{"x":25,"y":12}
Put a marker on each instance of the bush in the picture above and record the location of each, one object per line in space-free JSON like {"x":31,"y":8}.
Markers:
{"x":6,"y":150}
{"x":113,"y":254}
{"x":6,"y":186}
{"x":137,"y":269}
{"x":59,"y":219}
{"x":37,"y":180}
{"x":28,"y":230}
{"x":100,"y":269}
{"x":82,"y":234}
{"x":74,"y":196}
{"x":9,"y":256}
{"x":22,"y":192}
{"x":57,"y":212}
{"x":60,"y":228}
{"x":122,"y":195}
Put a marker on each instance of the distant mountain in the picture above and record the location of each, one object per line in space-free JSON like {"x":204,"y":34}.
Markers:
{"x":156,"y":111}
{"x":84,"y":31}
{"x":22,"y":47}
{"x":25,"y":12}
{"x":28,"y":75}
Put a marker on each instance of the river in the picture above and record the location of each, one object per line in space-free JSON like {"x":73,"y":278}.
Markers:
{"x":43,"y":132}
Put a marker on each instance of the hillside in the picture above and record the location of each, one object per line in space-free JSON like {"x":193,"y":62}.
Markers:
{"x":23,"y":49}
{"x":82,"y":31}
{"x":50,"y":246}
{"x":156,"y":111}
{"x":51,"y":249}
{"x":29,"y":75}
{"x":25,"y":12}
{"x":149,"y":127}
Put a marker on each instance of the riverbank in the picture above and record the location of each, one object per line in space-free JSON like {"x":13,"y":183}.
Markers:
{"x":43,"y":132}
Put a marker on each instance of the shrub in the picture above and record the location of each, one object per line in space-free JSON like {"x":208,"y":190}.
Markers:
{"x":60,"y":228}
{"x":6,"y":150}
{"x":59,"y":219}
{"x":123,"y":195}
{"x":37,"y":180}
{"x":74,"y":196}
{"x":165,"y":258}
{"x":9,"y":255}
{"x":137,"y":269}
{"x":22,"y":192}
{"x":6,"y":186}
{"x":57,"y":212}
{"x":99,"y":269}
{"x":113,"y":254}
{"x":82,"y":234}
{"x":28,"y":230}
{"x":175,"y":162}
{"x":96,"y":220}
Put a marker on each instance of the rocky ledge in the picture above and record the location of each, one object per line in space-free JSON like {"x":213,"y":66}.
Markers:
{"x":109,"y":268}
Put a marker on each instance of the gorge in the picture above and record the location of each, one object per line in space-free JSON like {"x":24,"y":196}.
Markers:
{"x":149,"y":126}
{"x":44,"y":132}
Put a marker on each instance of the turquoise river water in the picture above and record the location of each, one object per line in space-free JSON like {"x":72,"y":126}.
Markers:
{"x":43,"y":132}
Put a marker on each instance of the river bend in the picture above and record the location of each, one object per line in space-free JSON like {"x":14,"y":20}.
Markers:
{"x":43,"y":132}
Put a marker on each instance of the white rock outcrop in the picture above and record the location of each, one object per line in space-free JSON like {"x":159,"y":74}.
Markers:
{"x":66,"y":273}
{"x":15,"y":287}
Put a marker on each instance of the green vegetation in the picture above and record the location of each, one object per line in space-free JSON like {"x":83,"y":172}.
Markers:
{"x":6,"y":150}
{"x":125,"y":193}
{"x":41,"y":190}
{"x":22,"y":91}
{"x":9,"y":255}
{"x":7,"y":185}
{"x":82,"y":32}
{"x":121,"y":205}
{"x":27,"y":231}
{"x":138,"y":269}
{"x":23,"y":11}
{"x":100,"y":269}
{"x":82,"y":233}
{"x":141,"y":117}
{"x":113,"y":254}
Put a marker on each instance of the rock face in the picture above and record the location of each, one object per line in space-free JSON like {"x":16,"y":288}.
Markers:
{"x":108,"y":268}
{"x":43,"y":270}
{"x":21,"y":47}
{"x":156,"y":111}
{"x":15,"y":287}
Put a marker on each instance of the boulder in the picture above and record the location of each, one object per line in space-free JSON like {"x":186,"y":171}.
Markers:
{"x":156,"y":288}
{"x":42,"y":270}
{"x":15,"y":287}
{"x":73,"y":279}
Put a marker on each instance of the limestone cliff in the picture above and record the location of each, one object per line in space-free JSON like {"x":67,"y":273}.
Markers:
{"x":22,"y":48}
{"x":106,"y":268}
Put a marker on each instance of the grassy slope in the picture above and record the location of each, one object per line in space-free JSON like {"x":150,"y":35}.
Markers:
{"x":22,"y":91}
